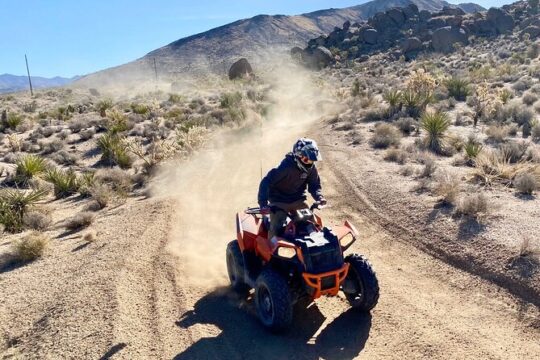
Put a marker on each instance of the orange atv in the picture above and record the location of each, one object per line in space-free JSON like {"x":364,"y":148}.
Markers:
{"x":306,"y":261}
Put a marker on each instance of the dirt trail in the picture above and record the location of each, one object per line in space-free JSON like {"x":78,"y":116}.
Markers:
{"x":157,"y":288}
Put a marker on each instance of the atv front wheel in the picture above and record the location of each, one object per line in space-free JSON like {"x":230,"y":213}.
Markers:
{"x":235,"y":268}
{"x":361,"y":285}
{"x":273,"y":301}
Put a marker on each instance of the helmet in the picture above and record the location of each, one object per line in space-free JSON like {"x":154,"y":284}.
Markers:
{"x":305,"y":152}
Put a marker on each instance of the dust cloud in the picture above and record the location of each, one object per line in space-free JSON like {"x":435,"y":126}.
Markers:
{"x":223,"y":179}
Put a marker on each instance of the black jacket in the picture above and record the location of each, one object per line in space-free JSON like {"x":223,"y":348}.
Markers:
{"x":287,"y":183}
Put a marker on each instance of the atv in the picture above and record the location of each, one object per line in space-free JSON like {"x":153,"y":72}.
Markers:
{"x":306,"y":262}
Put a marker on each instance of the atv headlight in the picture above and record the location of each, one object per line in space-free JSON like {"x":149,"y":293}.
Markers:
{"x":286,"y":252}
{"x":346,"y":240}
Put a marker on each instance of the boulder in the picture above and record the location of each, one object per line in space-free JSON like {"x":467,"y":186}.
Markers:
{"x":485,"y":27}
{"x":411,"y":44}
{"x":501,"y":20}
{"x":397,"y":16}
{"x":382,"y":22}
{"x":370,"y":36}
{"x":410,"y":11}
{"x":240,"y":69}
{"x":436,"y":22}
{"x":424,"y":15}
{"x":318,"y":57}
{"x":451,"y":11}
{"x":532,"y":30}
{"x":443,"y":39}
{"x":346,"y":25}
{"x":454,"y":21}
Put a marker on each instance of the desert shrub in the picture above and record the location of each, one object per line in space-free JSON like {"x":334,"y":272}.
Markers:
{"x":512,"y":129}
{"x":114,"y":150}
{"x":63,"y":157}
{"x":103,"y":105}
{"x":37,"y":220}
{"x":505,"y":95}
{"x":14,"y":204}
{"x":429,"y":168}
{"x":117,"y":179}
{"x":526,"y":183}
{"x":29,"y":166}
{"x":396,"y":155}
{"x":140,"y":109}
{"x":513,"y":151}
{"x":406,"y":170}
{"x":521,"y":85}
{"x":87,"y":134}
{"x":77,"y":125}
{"x":535,"y":133}
{"x":491,"y":167}
{"x":472,"y":149}
{"x":435,"y":124}
{"x":12,"y":121}
{"x":176,"y":98}
{"x":101,"y":194}
{"x":117,"y":122}
{"x":406,"y":125}
{"x":455,"y":142}
{"x":30,"y":247}
{"x":80,"y":221}
{"x":447,"y":186}
{"x":65,"y":182}
{"x":89,"y":236}
{"x":529,"y":98}
{"x":497,"y":133}
{"x":51,"y":146}
{"x":190,"y":140}
{"x":230,"y":100}
{"x":474,"y":205}
{"x":385,"y":135}
{"x":393,"y":98}
{"x":458,"y":88}
{"x":64,"y":134}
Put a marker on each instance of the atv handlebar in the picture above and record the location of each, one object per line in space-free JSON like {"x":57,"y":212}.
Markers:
{"x":267,"y":210}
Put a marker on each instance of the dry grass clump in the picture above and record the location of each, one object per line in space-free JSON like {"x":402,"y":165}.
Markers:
{"x":407,"y":125}
{"x":396,"y":155}
{"x":527,"y":249}
{"x":497,"y":133}
{"x":79,"y":221}
{"x":529,"y":98}
{"x":64,"y":158}
{"x":37,"y":219}
{"x":385,"y":135}
{"x":51,"y":147}
{"x":30,"y":247}
{"x":448,"y":186}
{"x":101,"y":194}
{"x":491,"y":167}
{"x":429,"y":168}
{"x":526,"y":183}
{"x":87,"y":134}
{"x":90,"y":236}
{"x":475,"y":205}
{"x":118,"y":180}
{"x":535,"y":133}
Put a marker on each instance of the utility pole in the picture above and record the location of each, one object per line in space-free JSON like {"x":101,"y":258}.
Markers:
{"x":28,"y":72}
{"x":155,"y":70}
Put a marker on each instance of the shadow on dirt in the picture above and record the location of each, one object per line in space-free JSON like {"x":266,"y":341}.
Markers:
{"x":242,"y":337}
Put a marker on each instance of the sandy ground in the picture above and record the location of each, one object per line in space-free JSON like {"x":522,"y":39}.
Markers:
{"x":153,"y":285}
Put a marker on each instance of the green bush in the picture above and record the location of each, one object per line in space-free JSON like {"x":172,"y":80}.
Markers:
{"x":435,"y":123}
{"x":28,"y":167}
{"x":140,"y":109}
{"x":229,"y":100}
{"x":13,"y":205}
{"x":104,"y":105}
{"x":65,"y":183}
{"x":458,"y":88}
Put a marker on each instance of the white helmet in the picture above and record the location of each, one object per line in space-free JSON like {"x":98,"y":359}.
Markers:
{"x":306,"y":152}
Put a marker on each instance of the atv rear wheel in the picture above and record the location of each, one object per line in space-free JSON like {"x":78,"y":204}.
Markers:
{"x":235,"y":268}
{"x":273,"y":301}
{"x":361,"y":283}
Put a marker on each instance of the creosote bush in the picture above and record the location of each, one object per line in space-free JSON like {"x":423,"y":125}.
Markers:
{"x":385,"y":135}
{"x":37,"y":219}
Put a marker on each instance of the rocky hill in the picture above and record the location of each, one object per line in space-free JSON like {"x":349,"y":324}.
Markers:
{"x":255,"y":38}
{"x":407,"y":31}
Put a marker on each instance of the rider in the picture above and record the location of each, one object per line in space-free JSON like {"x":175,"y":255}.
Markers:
{"x":282,"y":189}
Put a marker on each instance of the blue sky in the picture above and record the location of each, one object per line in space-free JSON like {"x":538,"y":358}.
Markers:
{"x":69,"y":37}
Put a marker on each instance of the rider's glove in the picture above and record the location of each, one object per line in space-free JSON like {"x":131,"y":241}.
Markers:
{"x":265,"y":209}
{"x":322,"y":201}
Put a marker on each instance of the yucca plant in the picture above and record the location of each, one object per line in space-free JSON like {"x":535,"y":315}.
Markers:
{"x":103,"y":106}
{"x":435,"y":123}
{"x":65,"y":183}
{"x":117,"y":122}
{"x":393,"y":98}
{"x":140,"y":109}
{"x":13,"y":120}
{"x":28,"y":167}
{"x":458,"y":88}
{"x":472,"y":149}
{"x":86,"y":182}
{"x":415,"y":102}
{"x":13,"y":205}
{"x":114,"y":150}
